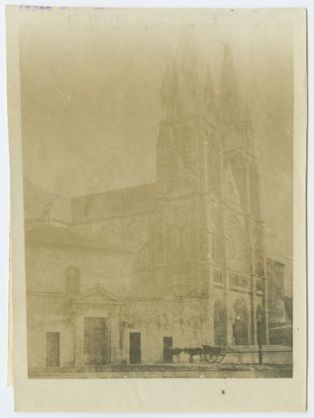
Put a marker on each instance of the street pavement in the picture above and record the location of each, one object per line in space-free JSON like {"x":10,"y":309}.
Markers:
{"x":173,"y":370}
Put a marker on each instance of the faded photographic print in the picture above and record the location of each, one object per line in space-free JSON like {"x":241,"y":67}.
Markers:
{"x":157,"y":150}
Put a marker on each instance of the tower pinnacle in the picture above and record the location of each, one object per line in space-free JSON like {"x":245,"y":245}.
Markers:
{"x":181,"y":91}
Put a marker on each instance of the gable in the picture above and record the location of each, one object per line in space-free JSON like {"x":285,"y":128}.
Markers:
{"x":97,"y":295}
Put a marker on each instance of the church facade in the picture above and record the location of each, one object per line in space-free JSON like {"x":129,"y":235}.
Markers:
{"x":121,"y":276}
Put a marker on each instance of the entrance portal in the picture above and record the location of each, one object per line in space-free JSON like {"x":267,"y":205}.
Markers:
{"x":135,"y":353}
{"x":96,"y":341}
{"x":168,"y":342}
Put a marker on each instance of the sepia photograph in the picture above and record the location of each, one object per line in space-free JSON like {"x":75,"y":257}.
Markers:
{"x":157,"y":170}
{"x":157,"y":189}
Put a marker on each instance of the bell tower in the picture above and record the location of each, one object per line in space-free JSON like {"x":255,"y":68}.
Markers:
{"x":188,"y":171}
{"x":242,"y":225}
{"x":182,"y":124}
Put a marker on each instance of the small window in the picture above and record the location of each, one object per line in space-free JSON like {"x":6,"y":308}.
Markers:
{"x":72,"y":281}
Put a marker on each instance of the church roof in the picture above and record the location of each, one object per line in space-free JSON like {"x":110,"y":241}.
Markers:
{"x":48,"y":234}
{"x":115,"y":203}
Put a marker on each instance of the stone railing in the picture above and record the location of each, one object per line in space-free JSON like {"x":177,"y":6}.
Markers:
{"x":238,"y":279}
{"x":235,"y":279}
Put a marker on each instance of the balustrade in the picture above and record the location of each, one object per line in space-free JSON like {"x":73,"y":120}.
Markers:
{"x":238,"y":279}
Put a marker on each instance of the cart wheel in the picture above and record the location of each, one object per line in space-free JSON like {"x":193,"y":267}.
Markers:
{"x":208,"y":358}
{"x":221,"y":357}
{"x":214,"y":358}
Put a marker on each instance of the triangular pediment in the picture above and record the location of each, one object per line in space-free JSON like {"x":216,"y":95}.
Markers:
{"x":97,"y":295}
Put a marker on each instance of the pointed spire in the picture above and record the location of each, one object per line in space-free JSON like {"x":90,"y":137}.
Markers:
{"x":188,"y":63}
{"x":187,"y":53}
{"x":248,"y":120}
{"x":168,"y":87}
{"x":229,"y":80}
{"x":234,"y":114}
{"x":231,"y":106}
{"x":249,"y":127}
{"x":209,"y":98}
{"x":181,"y":84}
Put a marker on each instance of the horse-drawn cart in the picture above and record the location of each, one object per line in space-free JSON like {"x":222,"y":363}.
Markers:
{"x":210,"y":354}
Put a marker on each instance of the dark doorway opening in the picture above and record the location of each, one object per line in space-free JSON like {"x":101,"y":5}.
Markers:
{"x":135,"y":354}
{"x":241,"y":323}
{"x":96,"y":341}
{"x":167,"y":354}
{"x":240,"y":332}
{"x":52,"y":349}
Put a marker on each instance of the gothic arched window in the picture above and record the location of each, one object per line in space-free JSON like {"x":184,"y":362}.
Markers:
{"x":219,"y":324}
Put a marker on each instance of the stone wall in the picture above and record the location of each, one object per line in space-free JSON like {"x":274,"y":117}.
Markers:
{"x":46,"y":267}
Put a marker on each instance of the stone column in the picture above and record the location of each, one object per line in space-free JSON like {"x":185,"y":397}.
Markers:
{"x":210,"y":306}
{"x":254,"y":304}
{"x":250,"y":252}
{"x":229,"y":310}
{"x":265,"y":299}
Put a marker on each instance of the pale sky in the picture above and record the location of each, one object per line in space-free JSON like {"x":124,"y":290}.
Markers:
{"x":91,"y":98}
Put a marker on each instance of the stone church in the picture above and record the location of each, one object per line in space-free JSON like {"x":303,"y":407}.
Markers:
{"x":121,"y":276}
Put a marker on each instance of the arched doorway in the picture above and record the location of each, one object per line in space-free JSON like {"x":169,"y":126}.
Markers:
{"x":219,"y":324}
{"x":260,"y":325}
{"x":241,"y":323}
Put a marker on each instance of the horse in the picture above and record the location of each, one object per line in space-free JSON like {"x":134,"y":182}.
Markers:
{"x":176,"y":351}
{"x":194,"y":351}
